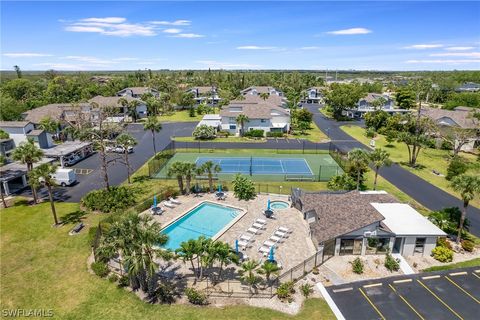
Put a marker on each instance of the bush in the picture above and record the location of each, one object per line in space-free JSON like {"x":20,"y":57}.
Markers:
{"x":357,"y":266}
{"x":456,"y":167}
{"x":468,"y":245}
{"x":100,"y":269}
{"x":446,"y":145}
{"x":442,"y":242}
{"x":370,"y":133}
{"x":191,"y":112}
{"x":223,"y":133}
{"x":196,"y":297}
{"x":391,"y":263}
{"x":285,"y":290}
{"x":442,"y":254}
{"x":165,"y":293}
{"x":256,"y":133}
{"x":113,"y":278}
{"x":124,"y":281}
{"x":275,"y":134}
{"x":113,"y":199}
{"x":243,"y":188}
{"x":306,"y":289}
{"x":342,"y":182}
{"x":204,"y":132}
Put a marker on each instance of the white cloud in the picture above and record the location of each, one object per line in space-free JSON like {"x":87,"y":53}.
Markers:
{"x":172,"y":23}
{"x":227,"y":65}
{"x":310,"y":48}
{"x":424,"y":46}
{"x":125,"y":59}
{"x":105,"y":20}
{"x":457,"y":54}
{"x":84,"y":29}
{"x":351,"y":31}
{"x":26,"y":55}
{"x":90,"y":60}
{"x":111,"y":26}
{"x":172,"y":30}
{"x":459,"y":48}
{"x":256,"y":48}
{"x":446,"y":61}
{"x":188,"y":35}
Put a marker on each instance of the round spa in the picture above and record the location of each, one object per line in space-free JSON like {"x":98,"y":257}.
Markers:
{"x":279,"y":205}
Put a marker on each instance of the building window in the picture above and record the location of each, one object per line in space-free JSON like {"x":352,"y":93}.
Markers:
{"x":419,"y":246}
{"x":350,"y":246}
{"x":263,"y":120}
{"x":377,"y":245}
{"x":233,"y":127}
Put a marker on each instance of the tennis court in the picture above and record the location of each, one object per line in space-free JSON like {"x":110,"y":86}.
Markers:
{"x":262,"y":167}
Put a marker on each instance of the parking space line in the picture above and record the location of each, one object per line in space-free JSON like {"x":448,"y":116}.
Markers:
{"x":402,"y":281}
{"x":464,"y":291}
{"x":431,"y":277}
{"x":342,"y":290}
{"x":372,"y":285}
{"x":458,"y":273}
{"x":408,"y":303}
{"x":477,"y":271}
{"x":438,"y":298}
{"x":371,"y":303}
{"x":476,"y":275}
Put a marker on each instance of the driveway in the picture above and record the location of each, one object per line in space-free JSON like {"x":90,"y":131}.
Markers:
{"x":453,"y":294}
{"x":422,"y":191}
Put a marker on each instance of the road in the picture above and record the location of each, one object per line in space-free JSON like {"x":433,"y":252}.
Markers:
{"x":422,"y":191}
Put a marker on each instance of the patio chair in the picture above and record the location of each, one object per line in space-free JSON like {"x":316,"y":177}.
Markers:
{"x":268,"y":243}
{"x":253,"y":230}
{"x":246,"y":238}
{"x":168,"y":204}
{"x":174,"y":201}
{"x":157,"y":211}
{"x":275,"y":238}
{"x":280,"y":234}
{"x":258,"y":225}
{"x":243,"y":244}
{"x":283,"y":229}
{"x":261,"y":221}
{"x":264,"y":250}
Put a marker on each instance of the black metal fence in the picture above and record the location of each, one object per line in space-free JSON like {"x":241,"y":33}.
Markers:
{"x":339,"y":155}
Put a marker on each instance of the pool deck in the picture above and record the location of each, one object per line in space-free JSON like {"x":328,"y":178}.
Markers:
{"x":292,"y":251}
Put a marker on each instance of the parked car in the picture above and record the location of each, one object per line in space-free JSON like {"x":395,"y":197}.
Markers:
{"x":64,"y":177}
{"x":71,"y":159}
{"x":119,"y":149}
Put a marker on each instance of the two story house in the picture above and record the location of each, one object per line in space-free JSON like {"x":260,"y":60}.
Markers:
{"x":372,"y":102}
{"x":257,"y":90}
{"x":137,"y":92}
{"x":208,"y":95}
{"x":116,"y":102}
{"x":21,"y":131}
{"x":314,"y":95}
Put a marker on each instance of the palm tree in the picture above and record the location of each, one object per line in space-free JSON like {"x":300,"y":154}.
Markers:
{"x":358,"y":158}
{"x":132,"y":109}
{"x":189,"y":170}
{"x":126,"y":141}
{"x":210,"y":168}
{"x":248,"y":273}
{"x":28,"y":153}
{"x":469,"y":188}
{"x":17,"y":71}
{"x":154,"y":126}
{"x":379,"y":158}
{"x":43,"y":174}
{"x":187,"y":252}
{"x":264,"y":95}
{"x":177,"y":169}
{"x":225,"y":255}
{"x":241,"y":120}
{"x":49,"y":125}
{"x":269,"y":268}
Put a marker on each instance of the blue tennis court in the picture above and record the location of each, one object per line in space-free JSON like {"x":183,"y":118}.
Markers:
{"x":254,"y":165}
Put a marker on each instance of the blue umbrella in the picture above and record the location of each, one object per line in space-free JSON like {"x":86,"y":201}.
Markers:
{"x":236,"y":246}
{"x":154,"y":201}
{"x":270,"y":255}
{"x":219,"y":188}
{"x":268,"y":204}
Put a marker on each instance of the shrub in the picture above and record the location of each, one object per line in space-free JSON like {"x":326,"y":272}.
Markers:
{"x":390,"y":137}
{"x":124,"y":281}
{"x":357,"y":266}
{"x":100,"y":269}
{"x":275,"y":134}
{"x":468,"y":245}
{"x":191,"y":112}
{"x":446,"y":145}
{"x":256,"y":133}
{"x":442,"y":254}
{"x":165,"y":293}
{"x":456,"y":167}
{"x":442,"y":242}
{"x":342,"y":182}
{"x":285,"y":290}
{"x":243,"y":188}
{"x":223,"y":133}
{"x":113,"y":278}
{"x":370,"y":132}
{"x":204,"y":132}
{"x":196,"y":297}
{"x":113,"y":199}
{"x":391,"y":263}
{"x":306,"y":289}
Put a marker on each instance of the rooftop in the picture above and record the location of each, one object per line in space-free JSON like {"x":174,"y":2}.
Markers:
{"x":461,"y":116}
{"x":139,"y":90}
{"x":110,"y":101}
{"x":13,"y":124}
{"x":54,"y":111}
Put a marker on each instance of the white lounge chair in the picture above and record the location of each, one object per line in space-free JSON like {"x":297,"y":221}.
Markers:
{"x":258,"y":225}
{"x":264,"y":250}
{"x":253,"y":230}
{"x":245,"y":238}
{"x":283,"y":229}
{"x":268,"y":243}
{"x":261,"y":221}
{"x":168,"y":204}
{"x":243,"y":244}
{"x":174,"y":201}
{"x":275,"y":238}
{"x":280,"y":234}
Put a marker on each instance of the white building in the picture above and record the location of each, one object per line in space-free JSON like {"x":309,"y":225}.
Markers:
{"x":208,"y":95}
{"x":137,"y":92}
{"x":314,"y":95}
{"x":368,"y":104}
{"x":257,"y":90}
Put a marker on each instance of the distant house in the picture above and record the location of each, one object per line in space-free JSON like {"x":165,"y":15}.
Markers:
{"x":460,"y":117}
{"x":208,"y":95}
{"x":115,"y":102}
{"x":61,"y":112}
{"x":367,"y":104}
{"x":468,"y":87}
{"x":257,"y":90}
{"x":314,"y":95}
{"x":362,"y":223}
{"x":21,"y":131}
{"x":137,"y":92}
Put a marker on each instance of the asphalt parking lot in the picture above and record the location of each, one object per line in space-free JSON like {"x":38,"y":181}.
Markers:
{"x":452,"y":294}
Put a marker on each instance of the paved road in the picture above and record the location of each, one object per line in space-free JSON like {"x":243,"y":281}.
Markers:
{"x":423,"y":192}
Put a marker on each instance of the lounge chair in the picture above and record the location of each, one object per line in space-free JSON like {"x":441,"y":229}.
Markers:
{"x":275,"y":238}
{"x":268,"y":243}
{"x":174,"y":201}
{"x":280,"y":234}
{"x":243,"y":244}
{"x":245,"y":238}
{"x":253,"y":230}
{"x":258,"y":225}
{"x":261,"y":221}
{"x":283,"y":229}
{"x":168,"y":204}
{"x":264,"y":250}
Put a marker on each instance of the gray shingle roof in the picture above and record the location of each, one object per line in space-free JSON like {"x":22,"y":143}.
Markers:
{"x":253,"y":108}
{"x":110,"y":101}
{"x":14,"y":124}
{"x":54,"y":111}
{"x":139,"y":90}
{"x":460,"y":116}
{"x":260,"y":89}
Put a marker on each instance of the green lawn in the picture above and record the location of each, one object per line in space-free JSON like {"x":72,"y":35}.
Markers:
{"x":326,"y":113}
{"x":222,"y":139}
{"x":464,"y":264}
{"x":313,"y":134}
{"x":44,"y":267}
{"x":429,"y":159}
{"x":180,"y":116}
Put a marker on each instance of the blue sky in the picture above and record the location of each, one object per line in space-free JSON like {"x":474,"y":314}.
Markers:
{"x":240,"y":35}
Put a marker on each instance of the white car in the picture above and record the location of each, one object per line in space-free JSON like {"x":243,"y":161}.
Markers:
{"x":119,"y":149}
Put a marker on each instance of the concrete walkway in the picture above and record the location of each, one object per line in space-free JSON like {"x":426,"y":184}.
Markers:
{"x":404,"y":266}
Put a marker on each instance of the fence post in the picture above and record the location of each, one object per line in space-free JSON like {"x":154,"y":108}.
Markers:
{"x":315,"y":262}
{"x":291,"y":274}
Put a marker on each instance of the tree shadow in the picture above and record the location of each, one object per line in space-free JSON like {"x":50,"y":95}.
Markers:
{"x":140,"y":179}
{"x":74,"y":217}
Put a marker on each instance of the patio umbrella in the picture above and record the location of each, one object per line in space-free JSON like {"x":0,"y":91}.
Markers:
{"x":268,"y":204}
{"x":219,"y":188}
{"x":270,"y":255}
{"x":155,"y":201}
{"x":236,"y":246}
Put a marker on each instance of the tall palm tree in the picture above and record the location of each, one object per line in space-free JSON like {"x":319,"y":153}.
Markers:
{"x":28,"y":153}
{"x":248,"y":273}
{"x":469,"y":188}
{"x":225,"y":255}
{"x":132,"y":109}
{"x":241,"y":119}
{"x":269,"y":268}
{"x":126,"y":141}
{"x":43,"y":174}
{"x":177,"y":169}
{"x":210,"y":168}
{"x":359,"y":160}
{"x":49,"y":125}
{"x":189,"y":170}
{"x":379,"y":158}
{"x":154,"y":126}
{"x":187,"y":252}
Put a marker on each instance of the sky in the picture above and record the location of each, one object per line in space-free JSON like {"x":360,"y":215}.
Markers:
{"x":343,"y":35}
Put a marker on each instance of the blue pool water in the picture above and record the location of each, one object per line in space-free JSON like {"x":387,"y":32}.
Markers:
{"x":260,"y":165}
{"x":278,"y":205}
{"x":207,"y":219}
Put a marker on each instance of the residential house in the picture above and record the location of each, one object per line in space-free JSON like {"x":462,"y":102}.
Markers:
{"x":257,"y":90}
{"x":13,"y":176}
{"x":460,"y":117}
{"x":362,"y":223}
{"x":115,"y":102}
{"x":468,"y":87}
{"x":137,"y":92}
{"x":17,"y":130}
{"x":208,"y":95}
{"x":367,"y":104}
{"x":211,"y":120}
{"x":64,"y":113}
{"x":314,"y":95}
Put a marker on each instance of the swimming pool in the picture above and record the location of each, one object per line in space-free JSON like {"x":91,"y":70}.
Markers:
{"x":207,"y":219}
{"x":279,"y":205}
{"x":254,"y":165}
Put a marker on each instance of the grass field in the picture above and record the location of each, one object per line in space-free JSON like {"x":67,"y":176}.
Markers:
{"x":43,"y":267}
{"x":179,"y":116}
{"x":464,"y":264}
{"x":429,"y":159}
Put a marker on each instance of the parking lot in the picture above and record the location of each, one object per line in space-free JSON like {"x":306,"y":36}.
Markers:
{"x":453,"y":294}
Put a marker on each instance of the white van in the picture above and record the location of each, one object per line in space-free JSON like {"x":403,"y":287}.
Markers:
{"x":64,"y":177}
